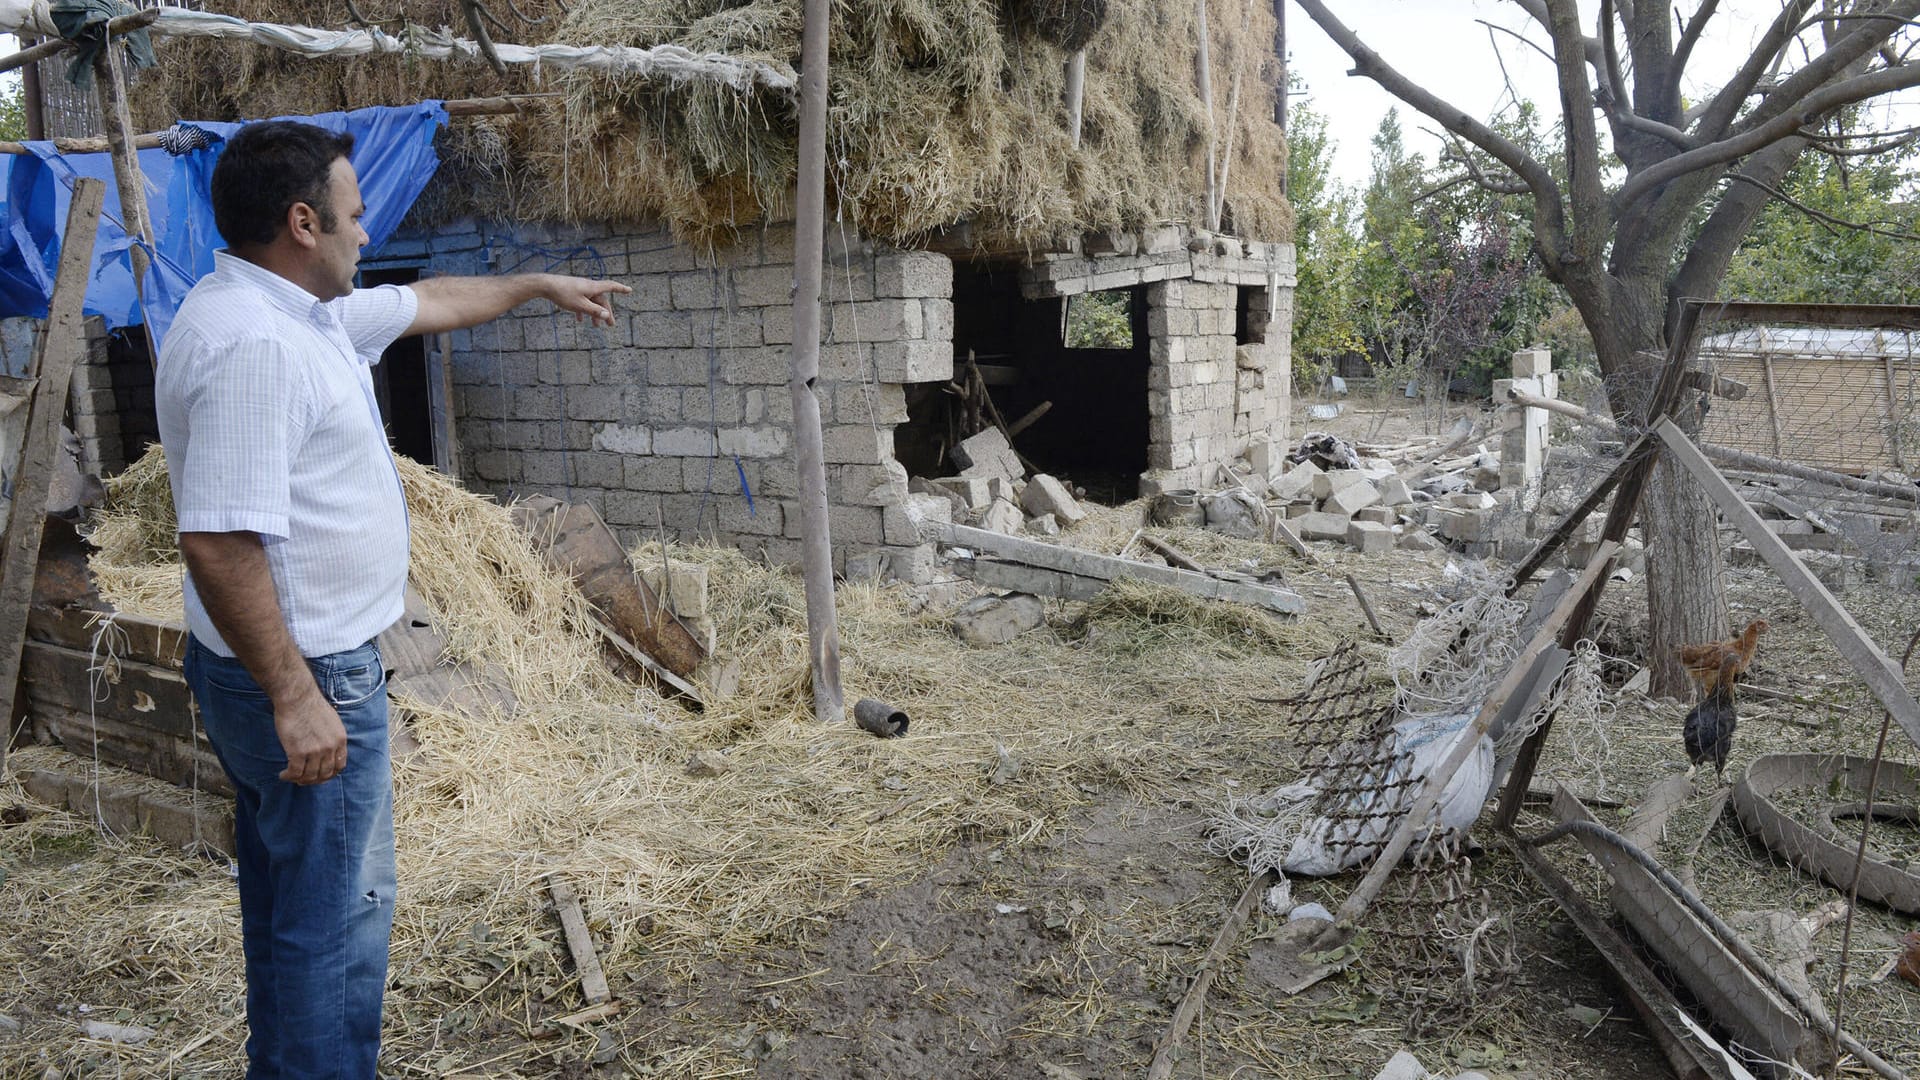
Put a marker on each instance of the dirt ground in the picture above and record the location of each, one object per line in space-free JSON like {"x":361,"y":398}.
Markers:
{"x":1053,"y":950}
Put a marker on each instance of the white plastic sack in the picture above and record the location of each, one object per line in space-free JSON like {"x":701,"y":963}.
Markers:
{"x":1329,"y":845}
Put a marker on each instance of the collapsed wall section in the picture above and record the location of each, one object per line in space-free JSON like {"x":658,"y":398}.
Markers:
{"x":678,"y":419}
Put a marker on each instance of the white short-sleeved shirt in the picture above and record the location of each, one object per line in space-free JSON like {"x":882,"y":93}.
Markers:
{"x":265,"y":401}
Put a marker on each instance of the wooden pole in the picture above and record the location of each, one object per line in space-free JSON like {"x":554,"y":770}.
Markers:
{"x":1076,"y":93}
{"x":126,"y":172}
{"x":1165,"y":1052}
{"x":62,"y":340}
{"x":1205,"y":76}
{"x":810,"y":201}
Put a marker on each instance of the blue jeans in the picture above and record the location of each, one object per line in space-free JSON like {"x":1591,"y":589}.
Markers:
{"x":316,"y":868}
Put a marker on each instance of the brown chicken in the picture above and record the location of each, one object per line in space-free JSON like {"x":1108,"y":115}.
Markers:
{"x":1707,"y":662}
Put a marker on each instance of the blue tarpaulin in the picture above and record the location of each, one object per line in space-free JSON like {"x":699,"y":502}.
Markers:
{"x":392,"y":153}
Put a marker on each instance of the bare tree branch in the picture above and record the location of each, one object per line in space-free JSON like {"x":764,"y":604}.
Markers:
{"x":1618,"y":104}
{"x":1725,"y":104}
{"x":1537,"y":10}
{"x":1516,"y":35}
{"x":1832,"y":223}
{"x":1860,"y":42}
{"x":1499,"y":185}
{"x":1830,"y":145}
{"x":1549,"y":214}
{"x":1587,"y":189}
{"x":1689,"y":37}
{"x":1785,"y":124}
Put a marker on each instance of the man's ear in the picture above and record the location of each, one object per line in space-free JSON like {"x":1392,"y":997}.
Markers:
{"x":303,"y":224}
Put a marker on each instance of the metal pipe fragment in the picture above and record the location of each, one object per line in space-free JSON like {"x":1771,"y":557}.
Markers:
{"x":879,"y":718}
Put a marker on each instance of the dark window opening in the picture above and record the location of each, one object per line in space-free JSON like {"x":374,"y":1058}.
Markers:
{"x":400,"y":381}
{"x":1251,"y":313}
{"x":1069,"y":377}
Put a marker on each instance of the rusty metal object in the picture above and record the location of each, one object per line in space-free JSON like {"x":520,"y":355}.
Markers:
{"x":1880,"y":881}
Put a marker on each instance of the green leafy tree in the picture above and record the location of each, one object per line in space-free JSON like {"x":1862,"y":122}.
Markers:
{"x":1652,"y":196}
{"x":1327,"y":323}
{"x":13,"y":110}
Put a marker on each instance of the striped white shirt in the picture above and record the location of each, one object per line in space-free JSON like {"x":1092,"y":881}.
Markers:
{"x":267,"y":414}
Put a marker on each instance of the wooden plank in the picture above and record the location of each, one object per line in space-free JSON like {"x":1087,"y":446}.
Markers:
{"x":670,"y":683}
{"x":61,"y":343}
{"x":1649,"y":996}
{"x":1108,"y":568}
{"x":1893,"y":417}
{"x":446,"y":445}
{"x":1859,"y":650}
{"x":126,"y":691}
{"x":181,"y":762}
{"x":593,"y":981}
{"x":145,"y":641}
{"x":1773,"y":401}
{"x":1522,"y":670}
{"x":577,"y":542}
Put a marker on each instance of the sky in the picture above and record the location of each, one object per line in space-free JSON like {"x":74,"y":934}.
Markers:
{"x":1438,"y":44}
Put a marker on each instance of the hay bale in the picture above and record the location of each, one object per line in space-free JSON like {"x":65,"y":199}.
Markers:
{"x":1069,"y":24}
{"x":939,"y":113}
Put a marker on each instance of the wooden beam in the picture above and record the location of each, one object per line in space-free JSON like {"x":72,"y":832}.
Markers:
{"x":1107,"y":568}
{"x":1880,"y":674}
{"x":124,"y":24}
{"x":803,"y":369}
{"x":1553,"y":541}
{"x":1165,"y":1052}
{"x":593,"y":981}
{"x":1415,"y":821}
{"x":62,"y":341}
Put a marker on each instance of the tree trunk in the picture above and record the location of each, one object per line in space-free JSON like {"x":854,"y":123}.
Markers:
{"x":1686,"y":588}
{"x":1686,"y":593}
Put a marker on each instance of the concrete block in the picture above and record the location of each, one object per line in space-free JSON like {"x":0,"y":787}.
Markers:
{"x":1471,"y":500}
{"x":1369,"y":537}
{"x":754,"y":442}
{"x":1296,"y":484}
{"x":1417,"y":539}
{"x":915,"y":565}
{"x":1002,"y":516}
{"x":858,"y":444}
{"x":877,"y":320}
{"x":1383,"y":515}
{"x":866,"y":566}
{"x":1043,"y":525}
{"x":995,"y":620}
{"x":1531,"y":363}
{"x":1046,"y":495}
{"x":936,"y":320}
{"x":1351,"y":499}
{"x":1319,"y":525}
{"x":987,"y":454}
{"x":913,"y":274}
{"x":1466,"y":526}
{"x":901,"y":523}
{"x":683,"y":585}
{"x":913,"y":361}
{"x":1329,"y":482}
{"x":1394,"y":491}
{"x":970,"y":490}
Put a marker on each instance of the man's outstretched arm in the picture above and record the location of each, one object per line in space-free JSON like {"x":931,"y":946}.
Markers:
{"x":236,"y":588}
{"x":451,"y":303}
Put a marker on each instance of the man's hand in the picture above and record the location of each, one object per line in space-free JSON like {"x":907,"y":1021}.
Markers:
{"x":584,"y":296}
{"x":314,"y":738}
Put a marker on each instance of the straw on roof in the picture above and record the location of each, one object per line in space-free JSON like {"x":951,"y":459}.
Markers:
{"x":939,"y":113}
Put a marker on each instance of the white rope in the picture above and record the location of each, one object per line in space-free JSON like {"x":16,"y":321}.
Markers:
{"x":669,"y":63}
{"x":108,"y":645}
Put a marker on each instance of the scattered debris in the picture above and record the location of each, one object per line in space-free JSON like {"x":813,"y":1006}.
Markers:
{"x":125,"y":1034}
{"x":586,"y":962}
{"x":879,"y":718}
{"x":1326,"y":451}
{"x":1881,"y":881}
{"x":707,"y":763}
{"x":994,"y":620}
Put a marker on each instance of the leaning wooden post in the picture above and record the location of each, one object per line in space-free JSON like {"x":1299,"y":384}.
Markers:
{"x":816,"y":544}
{"x":62,"y":341}
{"x":1205,"y":76}
{"x":126,"y":172}
{"x":1076,"y":93}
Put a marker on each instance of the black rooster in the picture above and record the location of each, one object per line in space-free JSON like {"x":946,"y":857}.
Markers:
{"x":1709,"y":728}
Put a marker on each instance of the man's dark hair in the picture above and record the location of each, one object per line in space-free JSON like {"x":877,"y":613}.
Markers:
{"x":265,"y":169}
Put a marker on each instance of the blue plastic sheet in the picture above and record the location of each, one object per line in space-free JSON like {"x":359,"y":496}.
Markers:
{"x":392,"y":153}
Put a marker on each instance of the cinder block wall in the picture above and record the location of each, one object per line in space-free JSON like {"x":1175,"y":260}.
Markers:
{"x":1211,"y":398}
{"x":679,"y":418}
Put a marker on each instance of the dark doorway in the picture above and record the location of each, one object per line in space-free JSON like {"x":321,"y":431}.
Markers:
{"x":400,"y":379}
{"x":1084,"y":359}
